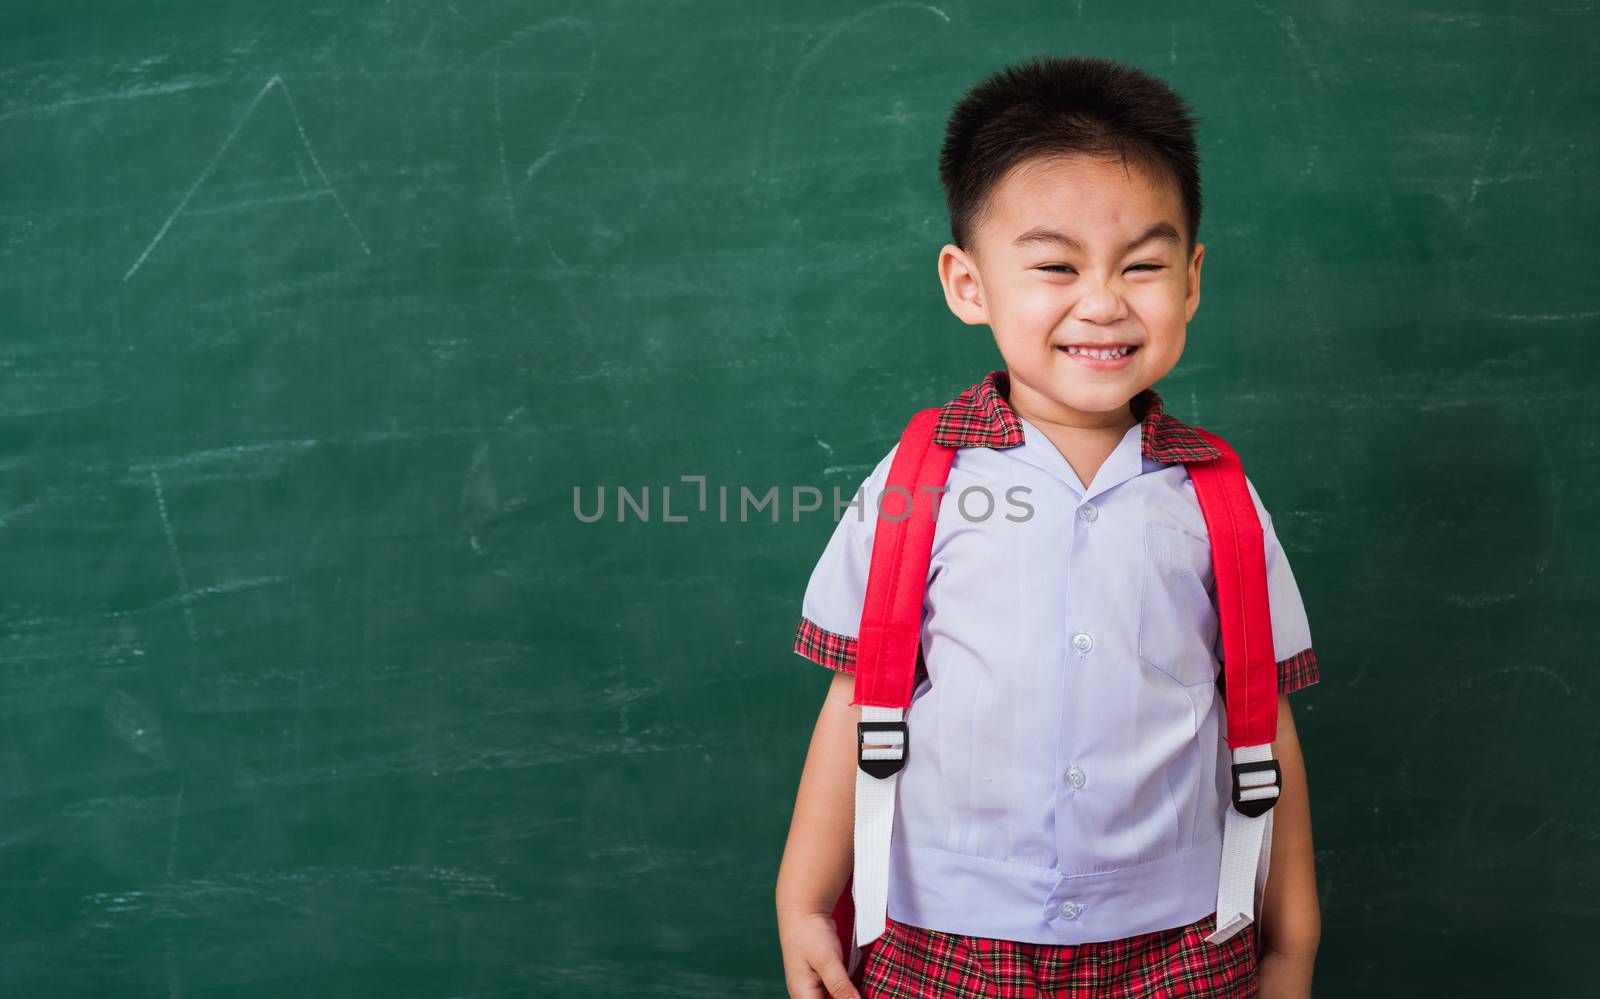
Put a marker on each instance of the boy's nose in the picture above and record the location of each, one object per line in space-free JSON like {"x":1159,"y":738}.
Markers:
{"x":1100,"y":304}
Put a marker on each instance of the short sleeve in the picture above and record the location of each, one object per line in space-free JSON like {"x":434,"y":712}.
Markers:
{"x":830,"y":611}
{"x":1291,"y":632}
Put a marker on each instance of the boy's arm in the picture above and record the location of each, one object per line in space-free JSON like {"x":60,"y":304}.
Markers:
{"x":817,"y":857}
{"x":1291,"y":921}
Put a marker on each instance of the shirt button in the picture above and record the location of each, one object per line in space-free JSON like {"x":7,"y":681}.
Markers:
{"x":1070,"y":909}
{"x":1082,"y":642}
{"x":1088,"y":512}
{"x":1075,"y":777}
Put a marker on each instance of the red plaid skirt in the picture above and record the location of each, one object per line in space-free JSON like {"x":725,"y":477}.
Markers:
{"x":908,"y":962}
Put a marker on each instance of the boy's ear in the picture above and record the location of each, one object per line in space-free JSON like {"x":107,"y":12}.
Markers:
{"x":963,"y":287}
{"x":1191,"y":301}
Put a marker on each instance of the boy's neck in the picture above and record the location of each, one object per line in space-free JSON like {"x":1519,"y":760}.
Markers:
{"x":1085,"y":440}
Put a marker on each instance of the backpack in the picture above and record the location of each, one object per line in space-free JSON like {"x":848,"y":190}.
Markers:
{"x":890,"y":635}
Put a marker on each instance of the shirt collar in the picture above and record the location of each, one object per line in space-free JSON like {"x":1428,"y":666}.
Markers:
{"x":981,"y":417}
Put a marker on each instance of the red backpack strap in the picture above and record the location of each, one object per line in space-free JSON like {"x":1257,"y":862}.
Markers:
{"x":1239,"y":555}
{"x":897,"y":580}
{"x":886,"y":659}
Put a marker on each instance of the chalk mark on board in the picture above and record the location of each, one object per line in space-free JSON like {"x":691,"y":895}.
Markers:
{"x":1489,"y":144}
{"x":174,"y":983}
{"x":811,"y":53}
{"x":194,"y":596}
{"x":463,"y":18}
{"x":505,"y":170}
{"x":19,"y":510}
{"x":827,"y":39}
{"x":239,"y":206}
{"x":1543,"y":317}
{"x":1309,"y":64}
{"x":131,"y":94}
{"x":599,"y":227}
{"x":276,"y":81}
{"x":237,"y":451}
{"x":177,"y":561}
{"x":499,"y":116}
{"x":172,"y":836}
{"x":481,"y":505}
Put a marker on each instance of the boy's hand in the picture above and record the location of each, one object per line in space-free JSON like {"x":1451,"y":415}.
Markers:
{"x":813,"y":962}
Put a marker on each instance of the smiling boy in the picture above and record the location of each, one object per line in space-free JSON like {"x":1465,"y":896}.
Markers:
{"x":1062,"y":801}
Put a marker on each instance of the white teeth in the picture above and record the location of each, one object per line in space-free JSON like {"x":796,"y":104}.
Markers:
{"x":1102,"y":355}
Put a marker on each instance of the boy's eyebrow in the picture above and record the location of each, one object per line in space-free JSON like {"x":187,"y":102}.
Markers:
{"x":1164,"y":231}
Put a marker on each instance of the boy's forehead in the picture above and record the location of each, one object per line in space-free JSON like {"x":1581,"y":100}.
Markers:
{"x":1076,"y":195}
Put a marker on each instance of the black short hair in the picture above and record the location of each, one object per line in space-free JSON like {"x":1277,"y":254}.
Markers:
{"x":1057,"y":106}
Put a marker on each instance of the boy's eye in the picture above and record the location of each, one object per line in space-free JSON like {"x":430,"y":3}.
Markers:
{"x":1063,"y":268}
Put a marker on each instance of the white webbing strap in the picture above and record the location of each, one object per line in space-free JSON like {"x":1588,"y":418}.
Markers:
{"x":874,"y":823}
{"x":1246,"y":849}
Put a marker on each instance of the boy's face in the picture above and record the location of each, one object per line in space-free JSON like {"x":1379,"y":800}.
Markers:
{"x":1052,"y":266}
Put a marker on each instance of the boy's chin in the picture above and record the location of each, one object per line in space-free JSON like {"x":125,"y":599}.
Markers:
{"x":1101,"y":396}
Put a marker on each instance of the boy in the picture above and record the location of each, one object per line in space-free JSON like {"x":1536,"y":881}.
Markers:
{"x":1061,"y":807}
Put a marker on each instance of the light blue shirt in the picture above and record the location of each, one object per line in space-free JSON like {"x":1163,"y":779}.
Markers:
{"x":1066,"y":775}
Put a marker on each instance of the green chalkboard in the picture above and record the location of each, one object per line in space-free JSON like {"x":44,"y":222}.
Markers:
{"x":314,"y":315}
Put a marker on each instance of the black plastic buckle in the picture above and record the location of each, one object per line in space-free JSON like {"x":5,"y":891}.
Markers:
{"x":1256,"y":806}
{"x":881,"y":768}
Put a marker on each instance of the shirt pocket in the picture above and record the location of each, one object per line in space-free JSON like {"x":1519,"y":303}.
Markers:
{"x":1177,"y":619}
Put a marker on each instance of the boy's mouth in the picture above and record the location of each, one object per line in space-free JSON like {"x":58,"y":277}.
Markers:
{"x":1100,"y":355}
